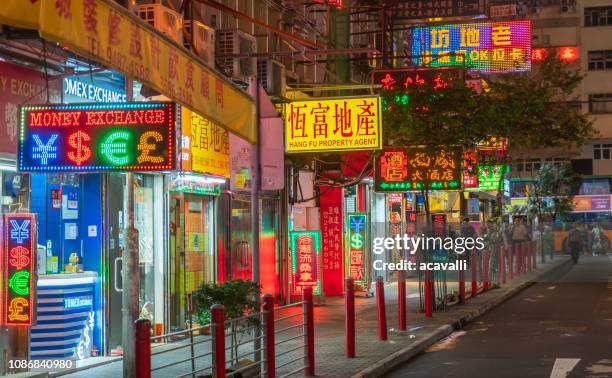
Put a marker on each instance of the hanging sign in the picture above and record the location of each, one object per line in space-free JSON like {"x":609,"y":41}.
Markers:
{"x":19,"y":261}
{"x":90,"y":137}
{"x":305,"y":260}
{"x":357,"y":242}
{"x":333,"y":124}
{"x":205,"y":145}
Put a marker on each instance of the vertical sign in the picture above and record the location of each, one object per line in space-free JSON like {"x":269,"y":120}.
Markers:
{"x":19,"y":260}
{"x":305,"y":261}
{"x":331,"y":233}
{"x":357,"y":242}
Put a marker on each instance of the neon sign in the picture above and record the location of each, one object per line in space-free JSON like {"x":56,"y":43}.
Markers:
{"x":405,"y":78}
{"x":415,"y":168}
{"x":482,"y":46}
{"x":357,"y":241}
{"x":92,"y":137}
{"x":305,"y":260}
{"x":19,"y":262}
{"x":567,"y":54}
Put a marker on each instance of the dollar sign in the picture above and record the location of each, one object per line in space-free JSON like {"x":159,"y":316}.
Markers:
{"x":356,"y":241}
{"x":82,"y":153}
{"x":19,"y":257}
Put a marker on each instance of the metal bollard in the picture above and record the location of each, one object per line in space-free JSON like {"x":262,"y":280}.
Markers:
{"x":143,"y":348}
{"x":349,"y":317}
{"x":485,"y":271}
{"x":308,"y":308}
{"x":401,"y":301}
{"x":382,"y":313}
{"x":474,"y":269}
{"x":267,"y":308}
{"x":502,"y":265}
{"x":217,"y":320}
{"x":428,"y":294}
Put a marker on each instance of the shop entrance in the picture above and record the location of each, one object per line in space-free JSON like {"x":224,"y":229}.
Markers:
{"x":192,"y":250}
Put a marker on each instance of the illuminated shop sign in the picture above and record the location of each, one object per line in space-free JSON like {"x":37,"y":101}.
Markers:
{"x":489,"y":176}
{"x":357,"y":241}
{"x":194,"y":184}
{"x":482,"y":46}
{"x":483,"y":168}
{"x":470,"y":176}
{"x":92,"y":137}
{"x":567,"y":54}
{"x":305,"y":260}
{"x":19,"y":260}
{"x":402,"y":79}
{"x":78,"y":302}
{"x":205,"y":145}
{"x":83,"y":88}
{"x":416,"y":9}
{"x":333,"y":125}
{"x":416,"y":168}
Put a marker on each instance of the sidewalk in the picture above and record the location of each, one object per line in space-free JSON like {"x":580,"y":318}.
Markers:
{"x":374,"y":357}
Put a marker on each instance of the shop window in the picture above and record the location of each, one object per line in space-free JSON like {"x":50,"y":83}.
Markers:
{"x":598,"y":16}
{"x":600,"y":103}
{"x":600,"y":60}
{"x":595,"y":187}
{"x":602,"y":151}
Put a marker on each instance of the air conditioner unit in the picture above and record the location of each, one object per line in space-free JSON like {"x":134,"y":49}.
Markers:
{"x":202,"y":42}
{"x":568,"y":6}
{"x":271,"y":74}
{"x":231,"y":42}
{"x":163,"y":19}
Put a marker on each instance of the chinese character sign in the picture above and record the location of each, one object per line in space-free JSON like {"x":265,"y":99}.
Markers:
{"x":19,"y":261}
{"x":90,"y":137}
{"x":305,"y":260}
{"x":331,"y":233}
{"x":416,"y":9}
{"x":440,"y":170}
{"x":489,"y":176}
{"x":470,"y":178}
{"x":403,"y":79}
{"x":483,"y":46}
{"x":205,"y":145}
{"x":333,"y":125}
{"x":357,"y":242}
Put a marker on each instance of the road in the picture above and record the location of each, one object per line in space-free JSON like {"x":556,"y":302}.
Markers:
{"x":550,"y":329}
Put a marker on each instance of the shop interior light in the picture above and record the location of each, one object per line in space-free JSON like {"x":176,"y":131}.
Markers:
{"x":8,"y":167}
{"x":45,"y":282}
{"x":201,"y":179}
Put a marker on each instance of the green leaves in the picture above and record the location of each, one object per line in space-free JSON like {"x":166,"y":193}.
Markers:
{"x":238,"y":298}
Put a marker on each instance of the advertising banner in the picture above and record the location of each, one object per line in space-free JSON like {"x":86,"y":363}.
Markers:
{"x":333,"y":124}
{"x":305,"y":261}
{"x":416,"y":9}
{"x":103,"y":88}
{"x":205,"y":145}
{"x":357,"y":242}
{"x":97,"y":137}
{"x":482,"y":46}
{"x":331,"y":234}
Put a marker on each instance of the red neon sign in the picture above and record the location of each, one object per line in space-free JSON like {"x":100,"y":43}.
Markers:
{"x":305,"y":252}
{"x":569,"y":54}
{"x":19,"y":256}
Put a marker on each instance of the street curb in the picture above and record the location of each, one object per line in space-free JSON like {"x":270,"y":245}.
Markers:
{"x":403,"y":355}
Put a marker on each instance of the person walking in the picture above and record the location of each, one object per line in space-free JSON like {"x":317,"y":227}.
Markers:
{"x":574,"y":238}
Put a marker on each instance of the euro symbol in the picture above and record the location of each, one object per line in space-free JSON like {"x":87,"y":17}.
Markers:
{"x":16,"y":310}
{"x":20,"y":282}
{"x":19,"y":257}
{"x":114,"y":147}
{"x":77,"y":141}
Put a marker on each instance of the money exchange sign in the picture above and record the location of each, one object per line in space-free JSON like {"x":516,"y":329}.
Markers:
{"x":97,"y":137}
{"x":357,"y":241}
{"x":416,"y":168}
{"x":305,"y":260}
{"x":19,"y":262}
{"x":333,"y":125}
{"x":482,"y":46}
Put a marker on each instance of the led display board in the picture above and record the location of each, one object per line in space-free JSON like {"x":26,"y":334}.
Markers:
{"x":305,"y":260}
{"x":482,"y":46}
{"x":568,"y":54}
{"x":19,"y":262}
{"x":334,"y":124}
{"x":421,"y":9}
{"x":416,"y":168}
{"x":357,"y":242}
{"x":92,"y":137}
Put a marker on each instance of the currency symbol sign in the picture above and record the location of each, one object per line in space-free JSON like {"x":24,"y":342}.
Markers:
{"x":19,"y":282}
{"x":356,"y":241}
{"x":16,"y":310}
{"x":82,"y":153}
{"x":19,"y":257}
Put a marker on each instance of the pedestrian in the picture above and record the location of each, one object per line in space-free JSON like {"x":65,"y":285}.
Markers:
{"x":520,"y":234}
{"x":596,"y":240}
{"x":574,"y":239}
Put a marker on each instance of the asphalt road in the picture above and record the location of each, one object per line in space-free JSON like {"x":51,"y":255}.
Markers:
{"x":550,"y":329}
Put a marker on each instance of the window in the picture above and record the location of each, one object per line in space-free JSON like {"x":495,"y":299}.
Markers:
{"x":528,"y":165}
{"x":556,"y":161}
{"x":600,"y":103}
{"x":602,"y":151}
{"x":598,"y":16}
{"x":600,"y":60}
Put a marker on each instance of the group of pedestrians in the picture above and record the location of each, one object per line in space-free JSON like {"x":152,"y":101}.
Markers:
{"x":585,"y":239}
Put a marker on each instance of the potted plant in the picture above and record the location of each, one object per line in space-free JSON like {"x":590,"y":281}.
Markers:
{"x":239,"y":298}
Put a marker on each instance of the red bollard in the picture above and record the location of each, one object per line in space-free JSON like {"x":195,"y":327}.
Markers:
{"x":462,"y":285}
{"x":517,"y":256}
{"x":382,"y":313}
{"x":524,"y":257}
{"x":349,"y":317}
{"x":401,"y":301}
{"x":267,"y":307}
{"x":485,"y":270}
{"x":510,"y":262}
{"x":143,"y":348}
{"x":533,"y":255}
{"x":217,"y":319}
{"x":428,"y":294}
{"x":308,"y":308}
{"x":528,"y":255}
{"x":474,"y":268}
{"x":502,"y":265}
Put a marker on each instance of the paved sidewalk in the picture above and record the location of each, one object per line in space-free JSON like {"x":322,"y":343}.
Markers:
{"x":374,"y":357}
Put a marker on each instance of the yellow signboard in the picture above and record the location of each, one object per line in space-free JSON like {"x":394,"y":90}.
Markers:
{"x":107,"y":33}
{"x":205,"y":146}
{"x":334,"y":124}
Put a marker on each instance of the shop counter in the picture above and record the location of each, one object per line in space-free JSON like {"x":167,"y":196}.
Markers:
{"x":64,"y":316}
